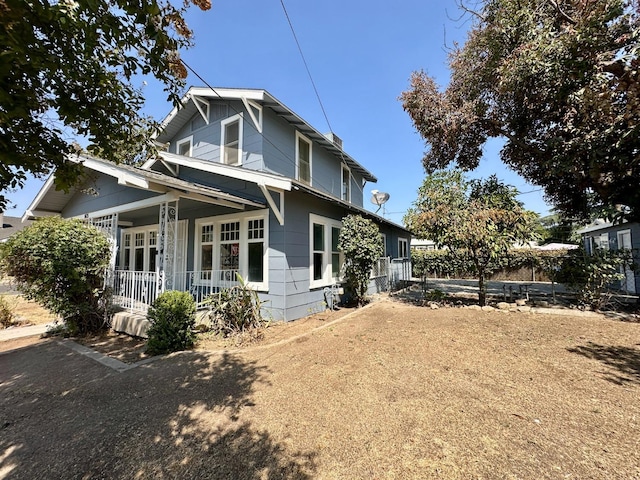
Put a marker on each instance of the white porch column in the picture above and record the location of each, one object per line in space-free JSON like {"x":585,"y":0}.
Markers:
{"x":167,"y":241}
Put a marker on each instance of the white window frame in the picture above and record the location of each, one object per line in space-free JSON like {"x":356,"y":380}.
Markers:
{"x":328,"y":277}
{"x":188,"y":140}
{"x":383,"y":237}
{"x":243,"y":261}
{"x":223,"y":130}
{"x":300,"y":137}
{"x":131,"y":248}
{"x":620,"y":234}
{"x":347,"y":170}
{"x":403,"y":244}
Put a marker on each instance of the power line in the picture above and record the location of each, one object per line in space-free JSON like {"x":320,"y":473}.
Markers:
{"x":284,"y":155}
{"x":295,"y":37}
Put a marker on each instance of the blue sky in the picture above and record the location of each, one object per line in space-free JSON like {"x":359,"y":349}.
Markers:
{"x":360,"y":54}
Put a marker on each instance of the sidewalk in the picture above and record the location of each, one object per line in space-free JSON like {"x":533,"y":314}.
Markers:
{"x":20,"y":332}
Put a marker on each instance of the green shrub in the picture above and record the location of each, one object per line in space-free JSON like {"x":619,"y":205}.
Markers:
{"x":6,"y":313}
{"x":592,"y":276}
{"x":61,"y":264}
{"x":236,"y":310}
{"x":361,"y":244}
{"x":172,"y":318}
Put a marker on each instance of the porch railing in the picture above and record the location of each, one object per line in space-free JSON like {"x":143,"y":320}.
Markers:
{"x":135,"y":291}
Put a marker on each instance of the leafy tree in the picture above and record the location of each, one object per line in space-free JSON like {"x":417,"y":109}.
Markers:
{"x":361,"y":244}
{"x":555,"y":229}
{"x":67,"y":71}
{"x":558,"y":81}
{"x":479,"y":218}
{"x":61,"y":264}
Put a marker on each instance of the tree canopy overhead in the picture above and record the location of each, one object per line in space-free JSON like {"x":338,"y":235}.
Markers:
{"x":558,"y":80}
{"x":67,"y":71}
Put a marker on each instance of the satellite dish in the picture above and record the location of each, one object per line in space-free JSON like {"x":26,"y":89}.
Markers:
{"x":379,"y":198}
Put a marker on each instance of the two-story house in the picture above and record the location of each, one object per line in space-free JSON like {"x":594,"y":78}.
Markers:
{"x":244,"y":185}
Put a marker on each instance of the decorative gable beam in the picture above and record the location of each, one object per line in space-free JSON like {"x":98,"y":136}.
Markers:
{"x":278,"y":212}
{"x":202,"y":106}
{"x":255,"y":112}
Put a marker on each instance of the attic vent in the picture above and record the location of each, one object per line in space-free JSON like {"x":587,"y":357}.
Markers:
{"x":218,"y":111}
{"x":333,"y":138}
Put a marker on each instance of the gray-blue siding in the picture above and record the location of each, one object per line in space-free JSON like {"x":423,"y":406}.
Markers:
{"x":273,"y":151}
{"x":612,"y":232}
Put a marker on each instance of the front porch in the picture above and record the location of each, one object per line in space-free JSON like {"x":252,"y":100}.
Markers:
{"x":136,"y":291}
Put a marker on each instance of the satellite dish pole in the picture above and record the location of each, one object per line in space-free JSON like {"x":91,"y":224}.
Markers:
{"x":379,"y":198}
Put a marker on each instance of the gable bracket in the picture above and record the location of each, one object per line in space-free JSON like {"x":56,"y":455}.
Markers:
{"x":278,"y":212}
{"x":255,"y":112}
{"x":203,"y":107}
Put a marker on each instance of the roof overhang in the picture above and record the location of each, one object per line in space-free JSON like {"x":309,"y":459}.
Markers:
{"x":348,"y":206}
{"x":190,"y":105}
{"x":49,"y":202}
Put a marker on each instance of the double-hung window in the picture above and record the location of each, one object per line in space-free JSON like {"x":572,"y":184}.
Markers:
{"x":403,"y":248}
{"x":303,"y":158}
{"x":233,"y":243}
{"x":231,"y":140}
{"x":346,"y":184}
{"x":325,"y":258}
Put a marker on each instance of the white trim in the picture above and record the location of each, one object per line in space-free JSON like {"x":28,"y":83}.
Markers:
{"x":406,"y":247}
{"x":243,"y":261}
{"x":252,"y":107}
{"x":181,"y":142}
{"x":230,"y":171}
{"x":199,"y":103}
{"x":327,"y":277}
{"x":278,"y":212}
{"x":31,"y":209}
{"x":223,"y":130}
{"x":346,"y":168}
{"x":384,"y":244}
{"x":300,"y":136}
{"x":128,"y":207}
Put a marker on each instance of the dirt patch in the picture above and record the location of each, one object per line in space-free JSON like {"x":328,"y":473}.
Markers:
{"x":27,"y":312}
{"x":390,"y":391}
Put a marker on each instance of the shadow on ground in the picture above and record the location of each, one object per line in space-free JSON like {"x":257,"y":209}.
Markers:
{"x":64,"y":416}
{"x":624,"y":361}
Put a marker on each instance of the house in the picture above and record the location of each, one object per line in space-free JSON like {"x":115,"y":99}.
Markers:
{"x":10,"y":225}
{"x":604,"y":234}
{"x":245,"y":186}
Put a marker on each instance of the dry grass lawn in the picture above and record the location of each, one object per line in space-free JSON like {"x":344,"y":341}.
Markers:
{"x":27,"y":312}
{"x":392,"y":391}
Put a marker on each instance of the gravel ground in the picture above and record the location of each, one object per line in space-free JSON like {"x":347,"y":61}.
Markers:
{"x":390,"y":391}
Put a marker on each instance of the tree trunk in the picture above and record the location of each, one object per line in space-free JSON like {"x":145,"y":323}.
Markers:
{"x":482,"y":288}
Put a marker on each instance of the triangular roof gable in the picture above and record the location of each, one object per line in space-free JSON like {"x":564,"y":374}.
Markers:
{"x":175,"y":120}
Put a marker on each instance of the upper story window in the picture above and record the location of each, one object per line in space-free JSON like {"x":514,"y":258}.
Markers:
{"x":184,"y":146}
{"x":346,"y":184}
{"x":303,"y":158}
{"x":231,"y":142}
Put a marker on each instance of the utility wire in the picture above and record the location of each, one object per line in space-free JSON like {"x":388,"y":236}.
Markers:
{"x":284,"y":155}
{"x":295,"y":37}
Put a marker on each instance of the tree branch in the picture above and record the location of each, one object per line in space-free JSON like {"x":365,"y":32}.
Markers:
{"x":562,"y":13}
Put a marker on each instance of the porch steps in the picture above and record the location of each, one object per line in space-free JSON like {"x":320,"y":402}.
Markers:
{"x":135,"y":324}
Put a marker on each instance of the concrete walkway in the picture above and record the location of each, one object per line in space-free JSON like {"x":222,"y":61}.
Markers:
{"x":20,"y":332}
